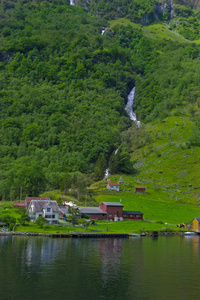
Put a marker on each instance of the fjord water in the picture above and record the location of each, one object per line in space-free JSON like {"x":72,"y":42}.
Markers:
{"x":93,"y":269}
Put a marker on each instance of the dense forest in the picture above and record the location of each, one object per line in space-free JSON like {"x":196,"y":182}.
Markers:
{"x":64,"y":86}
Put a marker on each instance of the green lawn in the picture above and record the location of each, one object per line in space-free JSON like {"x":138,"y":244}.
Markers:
{"x":132,"y":227}
{"x":156,"y":210}
{"x":49,"y":229}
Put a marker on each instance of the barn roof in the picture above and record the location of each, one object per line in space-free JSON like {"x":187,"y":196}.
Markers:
{"x":91,"y":210}
{"x":22,"y":204}
{"x":113,"y":184}
{"x":132,"y":212}
{"x":140,"y":187}
{"x":113,"y":203}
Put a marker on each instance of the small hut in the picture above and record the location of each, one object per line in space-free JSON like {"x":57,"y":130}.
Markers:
{"x":140,"y":189}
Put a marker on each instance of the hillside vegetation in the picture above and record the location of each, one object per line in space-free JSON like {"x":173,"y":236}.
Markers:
{"x":64,"y":86}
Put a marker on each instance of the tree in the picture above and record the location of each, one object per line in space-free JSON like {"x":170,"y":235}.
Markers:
{"x":24,"y":218}
{"x":74,"y":214}
{"x":100,"y":167}
{"x":114,"y":162}
{"x":41,"y":221}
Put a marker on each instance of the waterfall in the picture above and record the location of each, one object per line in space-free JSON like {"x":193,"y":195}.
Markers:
{"x":106,"y":173}
{"x":132,"y":116}
{"x":128,"y":108}
{"x":103,"y":29}
{"x":72,"y":2}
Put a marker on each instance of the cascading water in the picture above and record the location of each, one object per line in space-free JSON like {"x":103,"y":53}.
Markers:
{"x":72,"y":2}
{"x":132,"y":116}
{"x":106,"y":173}
{"x":128,"y":108}
{"x":103,"y":29}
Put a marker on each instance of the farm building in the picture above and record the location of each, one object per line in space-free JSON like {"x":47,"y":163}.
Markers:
{"x":132,"y":215}
{"x":93,"y":212}
{"x":113,"y":209}
{"x":140,"y":189}
{"x":19,"y":204}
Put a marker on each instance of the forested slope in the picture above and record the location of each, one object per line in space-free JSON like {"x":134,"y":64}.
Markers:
{"x":64,"y":86}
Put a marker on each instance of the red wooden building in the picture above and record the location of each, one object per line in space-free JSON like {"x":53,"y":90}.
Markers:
{"x":132,"y":215}
{"x":113,"y":209}
{"x":93,"y":213}
{"x":19,"y":204}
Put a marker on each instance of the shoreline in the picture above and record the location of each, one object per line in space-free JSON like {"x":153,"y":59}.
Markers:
{"x":152,"y":234}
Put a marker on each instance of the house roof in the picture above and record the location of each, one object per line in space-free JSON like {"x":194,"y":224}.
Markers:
{"x":113,"y":203}
{"x":198,"y":219}
{"x":132,"y":212}
{"x":91,"y":210}
{"x":113,"y":184}
{"x":28,"y":199}
{"x":140,"y":187}
{"x":64,"y":209}
{"x":39,"y":205}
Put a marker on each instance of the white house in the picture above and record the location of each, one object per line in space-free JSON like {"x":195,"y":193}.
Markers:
{"x":45,"y":208}
{"x":113,"y":186}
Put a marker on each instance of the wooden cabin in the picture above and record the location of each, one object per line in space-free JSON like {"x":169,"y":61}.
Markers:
{"x":140,"y":189}
{"x":196,"y":224}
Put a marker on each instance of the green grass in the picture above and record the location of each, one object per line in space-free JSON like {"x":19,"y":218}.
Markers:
{"x":157,"y":30}
{"x":49,"y":229}
{"x":7,"y":208}
{"x":153,"y":209}
{"x":170,"y":171}
{"x":132,"y":227}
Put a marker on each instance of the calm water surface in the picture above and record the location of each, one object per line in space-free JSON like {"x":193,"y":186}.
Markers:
{"x":99,"y":269}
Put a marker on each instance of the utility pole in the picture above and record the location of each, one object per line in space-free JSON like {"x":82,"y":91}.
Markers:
{"x":11,"y":193}
{"x":20,"y":193}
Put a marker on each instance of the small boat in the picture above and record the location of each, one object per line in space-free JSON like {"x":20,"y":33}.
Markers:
{"x":189,"y":233}
{"x":135,"y":235}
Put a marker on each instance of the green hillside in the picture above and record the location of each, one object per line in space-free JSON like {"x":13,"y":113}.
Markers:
{"x":64,"y":87}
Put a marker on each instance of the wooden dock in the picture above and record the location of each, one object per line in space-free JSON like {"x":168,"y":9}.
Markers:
{"x":106,"y":235}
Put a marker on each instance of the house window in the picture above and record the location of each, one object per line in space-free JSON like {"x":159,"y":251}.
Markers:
{"x":48,"y":216}
{"x":48,"y":209}
{"x":40,"y":215}
{"x":53,"y":216}
{"x":138,"y":216}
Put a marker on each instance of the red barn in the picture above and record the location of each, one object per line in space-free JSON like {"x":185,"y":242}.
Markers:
{"x":132,"y":215}
{"x":113,"y":209}
{"x":19,"y":204}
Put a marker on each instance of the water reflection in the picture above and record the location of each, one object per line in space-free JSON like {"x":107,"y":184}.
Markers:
{"x":44,"y":268}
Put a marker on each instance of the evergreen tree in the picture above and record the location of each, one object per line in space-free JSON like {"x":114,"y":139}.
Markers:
{"x":114,"y":162}
{"x":100,"y":168}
